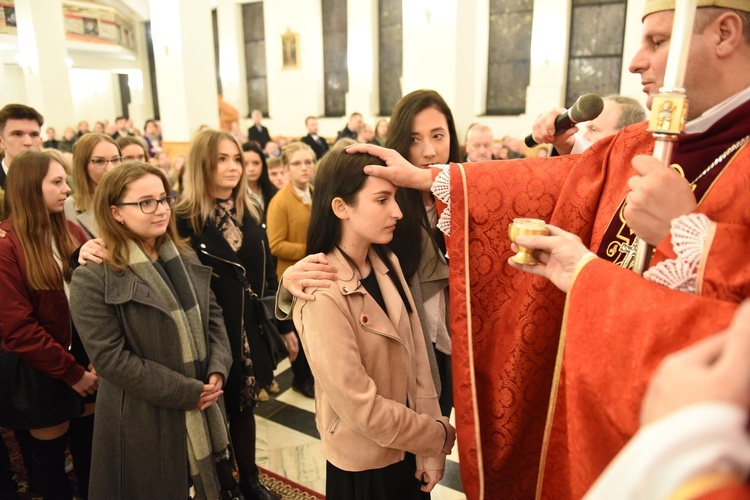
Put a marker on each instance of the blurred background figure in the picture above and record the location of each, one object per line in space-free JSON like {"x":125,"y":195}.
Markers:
{"x":479,"y":143}
{"x":381,"y":130}
{"x":257,"y":132}
{"x":276,"y":172}
{"x":312,"y":139}
{"x":365,"y":133}
{"x":51,"y":141}
{"x":350,"y":131}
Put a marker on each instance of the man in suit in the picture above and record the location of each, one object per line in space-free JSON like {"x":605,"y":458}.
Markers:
{"x":350,"y":131}
{"x":20,"y":130}
{"x":258,"y":133}
{"x":312,"y":139}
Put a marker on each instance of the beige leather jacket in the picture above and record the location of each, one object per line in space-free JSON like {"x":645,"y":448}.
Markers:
{"x":374,"y":395}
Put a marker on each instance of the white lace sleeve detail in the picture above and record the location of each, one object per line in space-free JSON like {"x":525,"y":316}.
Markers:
{"x":441,"y":188}
{"x":689,"y":234}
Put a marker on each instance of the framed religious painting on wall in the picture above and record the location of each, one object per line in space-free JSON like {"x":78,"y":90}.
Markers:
{"x":290,"y":50}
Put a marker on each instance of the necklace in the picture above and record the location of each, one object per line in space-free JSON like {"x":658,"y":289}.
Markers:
{"x":731,"y":149}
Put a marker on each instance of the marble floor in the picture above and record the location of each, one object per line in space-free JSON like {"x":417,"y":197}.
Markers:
{"x":288,"y":443}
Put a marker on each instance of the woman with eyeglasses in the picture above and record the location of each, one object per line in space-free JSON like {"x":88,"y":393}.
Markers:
{"x":35,"y":328}
{"x":287,"y":221}
{"x":151,"y":325}
{"x":93,"y":156}
{"x":225,"y":228}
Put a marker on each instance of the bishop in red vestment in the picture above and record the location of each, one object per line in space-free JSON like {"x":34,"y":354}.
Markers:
{"x":550,"y":385}
{"x":551,"y":389}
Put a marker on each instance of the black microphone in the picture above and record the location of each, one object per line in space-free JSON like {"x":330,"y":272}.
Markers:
{"x":586,"y":108}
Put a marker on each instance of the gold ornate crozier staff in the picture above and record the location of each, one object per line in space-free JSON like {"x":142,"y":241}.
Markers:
{"x":669,"y":106}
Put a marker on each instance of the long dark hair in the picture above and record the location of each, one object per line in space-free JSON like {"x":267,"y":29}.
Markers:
{"x":341,"y":175}
{"x":407,"y":239}
{"x":264,"y":181}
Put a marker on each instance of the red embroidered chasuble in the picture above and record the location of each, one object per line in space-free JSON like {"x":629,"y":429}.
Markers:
{"x":617,"y":328}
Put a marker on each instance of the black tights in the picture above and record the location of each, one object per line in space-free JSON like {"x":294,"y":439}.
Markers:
{"x":81,"y":437}
{"x":242,"y":429}
{"x":46,"y":467}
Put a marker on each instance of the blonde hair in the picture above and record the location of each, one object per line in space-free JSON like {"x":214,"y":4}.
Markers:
{"x":82,"y":151}
{"x":293,"y":147}
{"x":196,"y":203}
{"x":111,"y":191}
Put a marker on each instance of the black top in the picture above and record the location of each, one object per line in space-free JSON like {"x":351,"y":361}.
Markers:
{"x":371,"y":285}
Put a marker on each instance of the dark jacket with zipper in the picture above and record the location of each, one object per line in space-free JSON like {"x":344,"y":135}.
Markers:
{"x":253,"y":262}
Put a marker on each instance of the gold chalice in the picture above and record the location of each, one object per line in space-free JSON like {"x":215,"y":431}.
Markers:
{"x":526,"y":227}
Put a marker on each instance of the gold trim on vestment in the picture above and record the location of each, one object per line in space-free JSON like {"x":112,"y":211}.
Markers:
{"x":704,"y":259}
{"x":470,"y":336}
{"x":556,"y":377}
{"x":704,"y":484}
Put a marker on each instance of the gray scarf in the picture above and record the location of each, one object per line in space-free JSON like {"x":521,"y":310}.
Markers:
{"x":207,"y":438}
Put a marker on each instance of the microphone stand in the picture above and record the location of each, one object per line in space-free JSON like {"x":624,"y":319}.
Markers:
{"x":669,"y":107}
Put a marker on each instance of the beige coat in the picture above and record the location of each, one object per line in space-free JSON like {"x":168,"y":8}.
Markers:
{"x":374,"y":395}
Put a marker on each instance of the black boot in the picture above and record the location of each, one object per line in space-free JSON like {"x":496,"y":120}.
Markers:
{"x":47,"y":467}
{"x":253,"y":489}
{"x":81,"y":438}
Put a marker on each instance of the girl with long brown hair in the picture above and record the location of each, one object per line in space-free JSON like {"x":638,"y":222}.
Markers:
{"x":152,"y":327}
{"x":35,"y":325}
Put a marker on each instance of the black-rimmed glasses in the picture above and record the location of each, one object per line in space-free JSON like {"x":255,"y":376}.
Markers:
{"x":149,"y":206}
{"x":101,"y":163}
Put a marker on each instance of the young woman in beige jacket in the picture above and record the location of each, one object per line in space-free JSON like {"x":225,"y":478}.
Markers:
{"x":376,"y":406}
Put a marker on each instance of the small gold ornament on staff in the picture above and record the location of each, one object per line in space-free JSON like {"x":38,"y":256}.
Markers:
{"x":669,"y":107}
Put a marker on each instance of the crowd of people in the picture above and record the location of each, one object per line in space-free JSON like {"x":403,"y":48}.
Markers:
{"x":134,"y":332}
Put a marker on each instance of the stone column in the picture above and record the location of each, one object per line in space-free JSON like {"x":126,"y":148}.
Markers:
{"x":185,"y":68}
{"x":43,"y":58}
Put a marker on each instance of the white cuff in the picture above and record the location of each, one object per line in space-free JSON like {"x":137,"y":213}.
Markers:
{"x":689,"y":233}
{"x":441,"y":188}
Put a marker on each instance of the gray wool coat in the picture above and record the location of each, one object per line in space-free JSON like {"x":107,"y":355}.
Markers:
{"x":140,"y":438}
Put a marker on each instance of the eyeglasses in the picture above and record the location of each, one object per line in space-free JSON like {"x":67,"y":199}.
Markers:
{"x":149,"y":206}
{"x":307,"y":163}
{"x":102,"y":162}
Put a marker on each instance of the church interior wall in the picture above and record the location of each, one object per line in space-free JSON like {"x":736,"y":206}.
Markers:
{"x":444,"y":48}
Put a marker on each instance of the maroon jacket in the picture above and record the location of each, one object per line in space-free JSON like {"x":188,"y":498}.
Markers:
{"x":34,"y":324}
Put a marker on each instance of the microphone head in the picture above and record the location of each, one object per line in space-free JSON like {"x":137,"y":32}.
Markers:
{"x":586,"y":108}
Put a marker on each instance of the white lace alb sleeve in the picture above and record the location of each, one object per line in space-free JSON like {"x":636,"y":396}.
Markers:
{"x":441,"y":188}
{"x":689,"y":233}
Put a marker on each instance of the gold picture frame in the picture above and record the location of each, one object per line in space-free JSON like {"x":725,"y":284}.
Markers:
{"x":290,"y":50}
